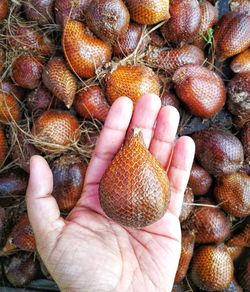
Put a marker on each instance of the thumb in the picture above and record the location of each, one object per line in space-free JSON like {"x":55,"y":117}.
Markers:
{"x":43,"y":211}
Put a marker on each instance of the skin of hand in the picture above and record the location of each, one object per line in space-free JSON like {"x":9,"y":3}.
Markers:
{"x":87,"y":251}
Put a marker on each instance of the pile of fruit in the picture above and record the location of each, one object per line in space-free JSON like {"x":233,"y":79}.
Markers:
{"x":62,"y":65}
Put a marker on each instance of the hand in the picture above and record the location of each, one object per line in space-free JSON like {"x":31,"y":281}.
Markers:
{"x":89,"y":252}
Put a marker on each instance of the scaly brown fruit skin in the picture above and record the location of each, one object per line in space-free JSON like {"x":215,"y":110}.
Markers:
{"x":4,"y":9}
{"x":108,"y":19}
{"x":84,"y":52}
{"x":202,"y":90}
{"x":239,"y":96}
{"x":211,"y":268}
{"x":200,"y":180}
{"x":68,"y":179}
{"x":27,"y":71}
{"x":169,"y":98}
{"x":218,"y":151}
{"x":60,"y":81}
{"x":241,"y":6}
{"x":13,"y":183}
{"x":156,"y":39}
{"x":241,"y":63}
{"x":68,"y":9}
{"x":148,"y":11}
{"x":9,"y":87}
{"x":242,"y":238}
{"x":244,"y":273}
{"x":245,"y":138}
{"x":133,"y":82}
{"x":232,"y":193}
{"x":184,"y":22}
{"x":9,"y":108}
{"x":134,"y":191}
{"x":187,"y":206}
{"x":233,"y":287}
{"x":2,"y":59}
{"x":128,"y":42}
{"x":58,"y":128}
{"x":234,"y":251}
{"x":209,"y":17}
{"x":39,"y":100}
{"x":40,"y":11}
{"x":3,"y":146}
{"x":232,"y":35}
{"x":172,"y":59}
{"x":187,"y":250}
{"x":91,"y":103}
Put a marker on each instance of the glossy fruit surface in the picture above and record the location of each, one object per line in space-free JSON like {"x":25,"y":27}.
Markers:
{"x":200,"y":89}
{"x":233,"y":287}
{"x":169,"y":98}
{"x":143,"y":197}
{"x":187,"y":205}
{"x":84,"y":52}
{"x":39,"y":99}
{"x":4,"y":9}
{"x":241,"y":238}
{"x":3,"y":146}
{"x":232,"y":193}
{"x":39,"y":10}
{"x":245,"y":138}
{"x":132,"y":81}
{"x":60,"y":81}
{"x":13,"y":183}
{"x":148,"y":11}
{"x":218,"y":151}
{"x":9,"y":108}
{"x":241,"y":6}
{"x":8,"y":86}
{"x":241,"y":63}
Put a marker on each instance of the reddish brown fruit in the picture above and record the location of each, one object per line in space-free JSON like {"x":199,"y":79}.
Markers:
{"x":169,"y":98}
{"x":187,"y":206}
{"x":108,"y":19}
{"x":133,"y":82}
{"x":232,"y":193}
{"x":156,"y":39}
{"x":241,"y":6}
{"x":209,"y":18}
{"x":60,"y":81}
{"x":84,"y":52}
{"x":3,"y":146}
{"x":187,"y":250}
{"x":28,"y":39}
{"x":241,"y":63}
{"x":234,"y":251}
{"x":65,"y":9}
{"x":68,"y":177}
{"x":27,"y":71}
{"x":2,"y":59}
{"x":91,"y":103}
{"x":212,"y":268}
{"x":200,"y":89}
{"x":148,"y":11}
{"x":200,"y":180}
{"x":55,"y":130}
{"x":170,"y":60}
{"x":184,"y":23}
{"x":143,"y":197}
{"x":39,"y":100}
{"x":218,"y":151}
{"x":4,"y":9}
{"x":233,"y":287}
{"x":242,"y":238}
{"x":128,"y":42}
{"x":232,"y":35}
{"x":9,"y":108}
{"x":39,"y":11}
{"x":9,"y":87}
{"x":13,"y":183}
{"x":244,"y":272}
{"x":245,"y":138}
{"x":239,"y":96}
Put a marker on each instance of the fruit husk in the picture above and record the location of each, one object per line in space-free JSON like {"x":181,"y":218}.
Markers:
{"x":39,"y":11}
{"x":187,"y":205}
{"x":241,"y":63}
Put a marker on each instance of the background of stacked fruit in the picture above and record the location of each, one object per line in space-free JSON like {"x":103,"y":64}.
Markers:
{"x":64,"y":62}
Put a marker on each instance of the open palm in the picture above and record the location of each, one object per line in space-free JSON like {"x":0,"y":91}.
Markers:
{"x":89,"y":252}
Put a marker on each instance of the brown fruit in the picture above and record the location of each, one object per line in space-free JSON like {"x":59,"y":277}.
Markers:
{"x":241,"y":6}
{"x":200,"y":89}
{"x":3,"y":146}
{"x":91,"y":103}
{"x":128,"y":42}
{"x":156,"y":39}
{"x":108,"y":19}
{"x":9,"y":108}
{"x":148,"y":11}
{"x":239,"y":96}
{"x":132,"y":81}
{"x":39,"y":100}
{"x":233,"y":287}
{"x":244,"y":273}
{"x":84,"y":52}
{"x":13,"y":183}
{"x":169,"y":98}
{"x":242,"y":238}
{"x":232,"y":193}
{"x":245,"y":138}
{"x":187,"y":250}
{"x":200,"y":180}
{"x":184,"y":22}
{"x":20,"y":269}
{"x":9,"y":87}
{"x":187,"y":205}
{"x":40,"y":11}
{"x":68,"y":9}
{"x":2,"y":59}
{"x":241,"y":63}
{"x":27,"y":71}
{"x":172,"y":59}
{"x":55,"y":129}
{"x":234,"y":251}
{"x":209,"y":18}
{"x":143,"y":197}
{"x":68,"y":179}
{"x":4,"y":9}
{"x":60,"y":81}
{"x":232,"y":35}
{"x":211,"y":268}
{"x":218,"y":151}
